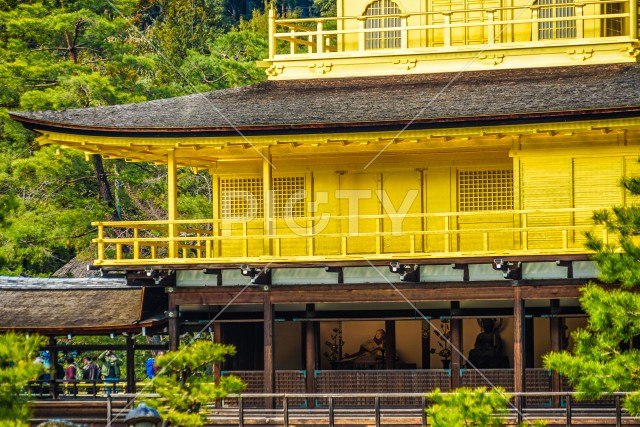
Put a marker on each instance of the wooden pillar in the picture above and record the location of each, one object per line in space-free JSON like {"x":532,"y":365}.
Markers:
{"x":518,"y":340}
{"x":390,"y":344}
{"x":269,"y":369}
{"x":130,"y":364}
{"x":311,"y":361}
{"x":174,"y":327}
{"x":53,"y":370}
{"x":456,"y":346}
{"x":529,"y":359}
{"x":555,"y":333}
{"x":426,"y":345}
{"x":172,"y":201}
{"x":267,"y":197}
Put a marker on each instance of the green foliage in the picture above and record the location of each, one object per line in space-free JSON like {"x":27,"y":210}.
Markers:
{"x":182,"y":386}
{"x":89,"y":53}
{"x":466,"y":407}
{"x":17,"y":368}
{"x":605,"y":356}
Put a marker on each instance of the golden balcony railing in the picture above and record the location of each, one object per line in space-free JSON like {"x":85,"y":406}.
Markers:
{"x":326,"y":238}
{"x":534,"y":24}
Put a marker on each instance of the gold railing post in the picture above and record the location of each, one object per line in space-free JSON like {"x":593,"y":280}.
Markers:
{"x":361,"y":34}
{"x":319,"y":38}
{"x":633,"y":19}
{"x":535,"y":32}
{"x":272,"y":32}
{"x":485,"y":241}
{"x":292,"y":44}
{"x":605,"y":235}
{"x":404,"y":35}
{"x":447,"y":235}
{"x":172,"y":202}
{"x":118,"y":251}
{"x":343,"y":245}
{"x":245,"y":245}
{"x":447,"y":28}
{"x":136,"y":243}
{"x":154,"y":251}
{"x":100,"y":242}
{"x":311,"y":235}
{"x":579,"y":20}
{"x":525,"y":233}
{"x":378,"y":236}
{"x":491,"y":37}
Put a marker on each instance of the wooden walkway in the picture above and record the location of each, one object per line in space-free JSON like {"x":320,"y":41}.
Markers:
{"x":98,"y":412}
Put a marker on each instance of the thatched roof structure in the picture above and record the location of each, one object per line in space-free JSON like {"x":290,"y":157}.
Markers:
{"x":351,"y":104}
{"x":64,"y":306}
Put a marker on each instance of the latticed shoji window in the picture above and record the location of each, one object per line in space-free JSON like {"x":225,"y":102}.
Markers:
{"x":288,"y":196}
{"x":382,"y":39}
{"x":613,"y":26}
{"x":242,"y":198}
{"x":485,"y":190}
{"x":563,"y":29}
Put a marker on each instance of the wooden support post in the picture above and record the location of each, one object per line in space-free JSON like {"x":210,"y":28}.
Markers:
{"x":53,"y":361}
{"x":130,"y":364}
{"x":272,"y":31}
{"x":310,"y":353}
{"x":555,"y":333}
{"x":267,"y":197}
{"x":426,"y":345}
{"x":172,"y":201}
{"x":518,"y":340}
{"x":174,"y":327}
{"x":390,"y":344}
{"x":269,"y":371}
{"x":217,"y":367}
{"x":456,"y":346}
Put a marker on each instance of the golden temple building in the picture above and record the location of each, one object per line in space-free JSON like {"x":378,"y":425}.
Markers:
{"x":422,"y":167}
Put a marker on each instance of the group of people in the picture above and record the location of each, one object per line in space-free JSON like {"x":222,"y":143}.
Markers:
{"x":106,"y":366}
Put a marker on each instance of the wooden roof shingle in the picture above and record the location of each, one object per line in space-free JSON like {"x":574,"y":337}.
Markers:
{"x":443,"y":100}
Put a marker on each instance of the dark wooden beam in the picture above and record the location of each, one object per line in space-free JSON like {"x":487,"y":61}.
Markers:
{"x":53,"y":361}
{"x":380,"y":292}
{"x":390,"y":344}
{"x":456,"y":346}
{"x":130,"y":364}
{"x":310,"y":354}
{"x":269,"y":368}
{"x":100,"y":347}
{"x":174,"y":327}
{"x":518,"y":340}
{"x":555,"y":333}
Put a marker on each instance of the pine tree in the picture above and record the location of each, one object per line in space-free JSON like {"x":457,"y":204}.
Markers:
{"x":605,"y":357}
{"x":182,"y":385}
{"x":17,"y":368}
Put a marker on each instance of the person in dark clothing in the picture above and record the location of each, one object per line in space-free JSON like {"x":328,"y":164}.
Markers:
{"x":91,"y":373}
{"x":71,"y":376}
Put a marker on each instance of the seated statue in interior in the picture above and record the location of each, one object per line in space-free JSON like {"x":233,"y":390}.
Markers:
{"x":371,"y":352}
{"x":487,"y":351}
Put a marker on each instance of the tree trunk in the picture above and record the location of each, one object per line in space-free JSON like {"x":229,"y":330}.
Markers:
{"x":104,"y":188}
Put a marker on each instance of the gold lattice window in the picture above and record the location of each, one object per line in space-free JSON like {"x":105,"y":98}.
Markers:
{"x":241,"y":198}
{"x":382,"y":39}
{"x":562,"y":29}
{"x":288,"y":196}
{"x":613,"y":26}
{"x":485,"y":190}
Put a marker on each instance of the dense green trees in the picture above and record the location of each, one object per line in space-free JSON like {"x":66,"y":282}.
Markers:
{"x":606,"y":354}
{"x":183,"y":385}
{"x":58,"y":54}
{"x":17,"y":368}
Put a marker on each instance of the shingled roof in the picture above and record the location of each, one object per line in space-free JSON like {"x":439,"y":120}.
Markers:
{"x":69,"y":305}
{"x":325,"y":104}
